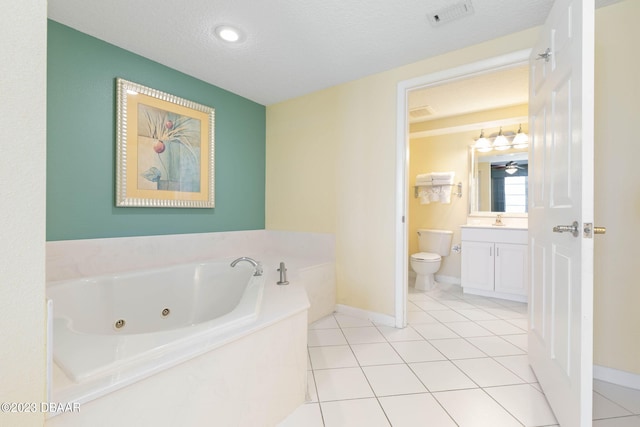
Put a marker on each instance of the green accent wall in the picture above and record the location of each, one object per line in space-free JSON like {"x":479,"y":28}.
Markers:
{"x":81,"y":145}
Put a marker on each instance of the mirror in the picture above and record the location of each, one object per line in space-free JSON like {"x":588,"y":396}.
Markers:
{"x":498,"y":181}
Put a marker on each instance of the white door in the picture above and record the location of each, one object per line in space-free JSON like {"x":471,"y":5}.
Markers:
{"x":561,"y":192}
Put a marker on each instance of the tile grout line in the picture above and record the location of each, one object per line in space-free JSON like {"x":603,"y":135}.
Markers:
{"x":631,"y":413}
{"x":363,"y":372}
{"x":416,"y":375}
{"x":452,"y":361}
{"x":505,"y":409}
{"x":483,"y":388}
{"x":315,"y":386}
{"x":493,"y":358}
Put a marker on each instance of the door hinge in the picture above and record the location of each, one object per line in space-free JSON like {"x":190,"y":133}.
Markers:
{"x":546,"y":55}
{"x":403,"y":219}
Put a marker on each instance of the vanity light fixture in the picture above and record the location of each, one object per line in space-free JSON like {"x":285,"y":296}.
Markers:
{"x":521,"y":140}
{"x":501,"y":142}
{"x":482,"y":144}
{"x":229,"y":34}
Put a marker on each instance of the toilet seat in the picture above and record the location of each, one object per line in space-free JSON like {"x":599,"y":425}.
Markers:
{"x":425,"y":257}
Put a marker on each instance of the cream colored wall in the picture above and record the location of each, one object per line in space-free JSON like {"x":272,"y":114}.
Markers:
{"x":301,"y":164}
{"x":440,"y":154}
{"x":617,"y":192}
{"x":22,"y":173}
{"x":331,"y":167}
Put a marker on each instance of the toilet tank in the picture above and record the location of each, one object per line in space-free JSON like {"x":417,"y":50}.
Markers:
{"x":435,"y":241}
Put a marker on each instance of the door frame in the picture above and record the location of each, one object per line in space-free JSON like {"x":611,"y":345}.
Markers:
{"x":486,"y":66}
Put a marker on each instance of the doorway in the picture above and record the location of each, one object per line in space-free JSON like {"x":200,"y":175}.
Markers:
{"x":404,"y":180}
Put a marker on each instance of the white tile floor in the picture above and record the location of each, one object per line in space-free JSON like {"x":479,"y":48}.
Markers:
{"x":462,"y":361}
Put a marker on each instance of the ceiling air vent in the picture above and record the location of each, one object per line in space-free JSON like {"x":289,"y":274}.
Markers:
{"x":450,"y":13}
{"x":420,"y":113}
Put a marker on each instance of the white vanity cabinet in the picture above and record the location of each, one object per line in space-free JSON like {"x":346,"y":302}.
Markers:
{"x":494,"y":262}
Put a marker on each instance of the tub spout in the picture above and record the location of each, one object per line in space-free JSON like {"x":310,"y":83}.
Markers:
{"x":251,"y":261}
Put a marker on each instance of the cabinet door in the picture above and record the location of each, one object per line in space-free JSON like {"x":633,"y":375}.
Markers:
{"x":511,"y":268}
{"x":477,"y":265}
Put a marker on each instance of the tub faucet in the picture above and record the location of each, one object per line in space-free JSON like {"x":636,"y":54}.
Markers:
{"x":251,"y":261}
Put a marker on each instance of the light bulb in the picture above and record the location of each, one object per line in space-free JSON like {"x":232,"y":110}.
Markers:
{"x":229,"y":34}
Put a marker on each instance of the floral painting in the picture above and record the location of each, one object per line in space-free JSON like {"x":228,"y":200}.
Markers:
{"x":168,"y":150}
{"x":165,"y":149}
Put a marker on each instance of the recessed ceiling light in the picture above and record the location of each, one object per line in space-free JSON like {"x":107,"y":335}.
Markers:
{"x":229,"y":34}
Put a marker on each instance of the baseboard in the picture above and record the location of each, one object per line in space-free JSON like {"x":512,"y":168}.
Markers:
{"x":448,"y":279}
{"x":615,"y":376}
{"x":493,"y":294}
{"x":379,"y":318}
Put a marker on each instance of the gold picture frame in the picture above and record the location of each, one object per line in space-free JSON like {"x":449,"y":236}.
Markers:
{"x":165,"y":149}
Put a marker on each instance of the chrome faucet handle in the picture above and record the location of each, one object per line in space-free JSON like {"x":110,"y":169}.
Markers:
{"x":283,"y":275}
{"x":259,"y":270}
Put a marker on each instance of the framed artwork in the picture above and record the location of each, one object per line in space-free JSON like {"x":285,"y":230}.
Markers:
{"x":165,"y":149}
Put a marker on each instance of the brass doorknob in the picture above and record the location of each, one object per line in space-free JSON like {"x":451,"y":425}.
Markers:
{"x":590,"y":230}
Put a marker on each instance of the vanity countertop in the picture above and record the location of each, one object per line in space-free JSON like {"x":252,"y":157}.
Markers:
{"x":495,"y":227}
{"x":494,"y":234}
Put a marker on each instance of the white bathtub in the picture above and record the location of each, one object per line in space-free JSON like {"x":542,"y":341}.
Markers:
{"x":202,"y":364}
{"x":105,"y":326}
{"x":252,"y":375}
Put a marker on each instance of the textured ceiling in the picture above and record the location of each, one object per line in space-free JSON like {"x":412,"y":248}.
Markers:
{"x":292,"y":47}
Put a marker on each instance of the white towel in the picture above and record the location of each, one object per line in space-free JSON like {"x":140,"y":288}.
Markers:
{"x":425,"y":197}
{"x":429,"y":194}
{"x":445,"y":194}
{"x":442,"y":182}
{"x":435,"y":187}
{"x":423,"y":180}
{"x":442,"y":175}
{"x":435,"y":178}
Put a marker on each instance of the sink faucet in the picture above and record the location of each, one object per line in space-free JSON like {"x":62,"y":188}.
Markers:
{"x":499,"y":220}
{"x":251,"y":261}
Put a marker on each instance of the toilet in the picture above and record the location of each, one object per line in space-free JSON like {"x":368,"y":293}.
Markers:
{"x":433,"y":245}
